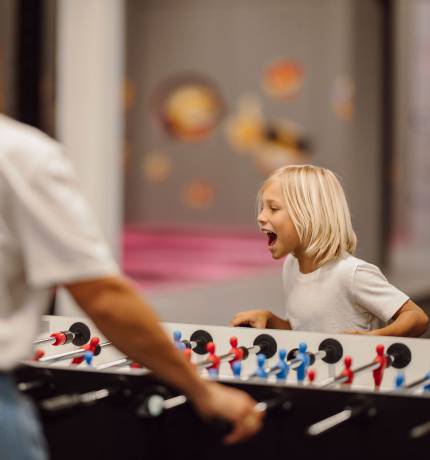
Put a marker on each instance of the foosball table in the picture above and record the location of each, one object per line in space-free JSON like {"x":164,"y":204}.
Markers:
{"x":329,"y":395}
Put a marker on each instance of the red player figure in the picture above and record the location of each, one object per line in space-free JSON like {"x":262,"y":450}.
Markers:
{"x":347,"y":372}
{"x":234,"y":350}
{"x":135,"y":365}
{"x":215,"y":360}
{"x":378,"y":373}
{"x":311,"y":376}
{"x":38,"y":354}
{"x":238,"y":355}
{"x":88,"y":347}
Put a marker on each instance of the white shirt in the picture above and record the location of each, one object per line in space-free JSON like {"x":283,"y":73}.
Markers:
{"x":47,"y":234}
{"x":347,"y":293}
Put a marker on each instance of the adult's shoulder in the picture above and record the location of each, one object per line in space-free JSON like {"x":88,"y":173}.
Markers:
{"x":24,"y":147}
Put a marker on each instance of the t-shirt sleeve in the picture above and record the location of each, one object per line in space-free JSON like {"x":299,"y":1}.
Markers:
{"x":373,"y":292}
{"x":58,"y":236}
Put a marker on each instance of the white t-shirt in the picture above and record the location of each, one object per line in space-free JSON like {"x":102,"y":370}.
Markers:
{"x":343,"y":294}
{"x":47,"y":234}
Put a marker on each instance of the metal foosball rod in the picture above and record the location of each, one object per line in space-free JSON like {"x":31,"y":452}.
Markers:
{"x":73,"y":353}
{"x":330,"y":351}
{"x":151,"y":407}
{"x":70,"y":401}
{"x":42,"y":381}
{"x":419,"y":382}
{"x":198,"y":341}
{"x":121,"y":362}
{"x":263,"y":343}
{"x":420,"y":431}
{"x":398,"y":356}
{"x":361,"y":409}
{"x":344,"y":379}
{"x":282,"y":367}
{"x":156,"y":404}
{"x":78,"y":334}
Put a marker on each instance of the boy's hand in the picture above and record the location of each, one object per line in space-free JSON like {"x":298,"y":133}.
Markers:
{"x":253,"y":318}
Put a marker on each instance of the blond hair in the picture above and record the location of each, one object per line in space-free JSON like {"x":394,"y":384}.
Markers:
{"x":318,"y":208}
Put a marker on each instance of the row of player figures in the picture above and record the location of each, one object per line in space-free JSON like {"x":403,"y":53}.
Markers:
{"x":99,"y":352}
{"x":299,"y":360}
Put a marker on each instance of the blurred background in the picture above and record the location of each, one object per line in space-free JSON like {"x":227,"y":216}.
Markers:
{"x":174,"y":113}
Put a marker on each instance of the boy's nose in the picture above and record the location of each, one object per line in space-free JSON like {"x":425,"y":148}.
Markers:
{"x":261,"y":218}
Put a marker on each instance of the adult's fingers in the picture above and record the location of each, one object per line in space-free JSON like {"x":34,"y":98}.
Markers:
{"x":245,"y":428}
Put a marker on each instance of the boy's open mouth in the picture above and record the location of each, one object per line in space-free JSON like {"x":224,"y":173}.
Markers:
{"x":271,"y":237}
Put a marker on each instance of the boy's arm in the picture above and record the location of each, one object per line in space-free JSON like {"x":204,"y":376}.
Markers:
{"x":261,"y":319}
{"x":275,"y":322}
{"x":409,"y":321}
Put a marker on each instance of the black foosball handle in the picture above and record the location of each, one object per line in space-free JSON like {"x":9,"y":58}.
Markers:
{"x":329,"y":350}
{"x":198,"y":341}
{"x":79,"y":334}
{"x":71,"y":401}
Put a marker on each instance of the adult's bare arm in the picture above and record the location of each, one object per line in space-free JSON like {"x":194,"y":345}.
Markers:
{"x":120,"y":313}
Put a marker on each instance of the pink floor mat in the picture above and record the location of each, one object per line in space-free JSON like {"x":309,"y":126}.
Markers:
{"x":158,"y":258}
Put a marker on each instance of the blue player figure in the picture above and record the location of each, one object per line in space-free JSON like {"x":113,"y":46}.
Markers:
{"x":261,"y":362}
{"x":213,"y":373}
{"x":177,"y":336}
{"x":236,"y":367}
{"x":88,"y":357}
{"x":427,"y":386}
{"x":303,"y":357}
{"x":283,"y":366}
{"x":399,"y":381}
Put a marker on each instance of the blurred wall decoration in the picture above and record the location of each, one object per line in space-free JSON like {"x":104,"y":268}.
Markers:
{"x":343,"y":97}
{"x":198,"y":194}
{"x":241,"y":88}
{"x":283,"y":78}
{"x":273,"y":143}
{"x":156,"y":166}
{"x":189,"y":107}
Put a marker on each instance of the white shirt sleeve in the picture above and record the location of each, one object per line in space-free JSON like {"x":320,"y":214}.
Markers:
{"x":56,"y":230}
{"x":374,"y":293}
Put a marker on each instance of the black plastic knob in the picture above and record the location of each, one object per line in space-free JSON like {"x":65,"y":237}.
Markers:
{"x":202,"y":338}
{"x":333,"y":349}
{"x":400,"y":354}
{"x":81,"y":333}
{"x":267,"y":345}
